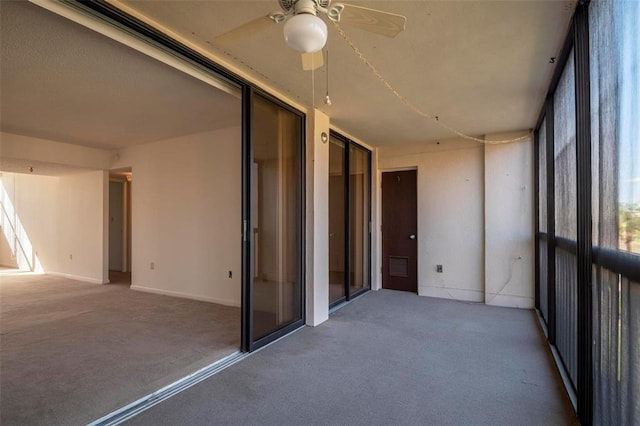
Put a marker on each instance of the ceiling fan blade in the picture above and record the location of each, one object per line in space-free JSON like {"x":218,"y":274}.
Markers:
{"x":245,"y":30}
{"x":372,"y":20}
{"x":312,"y":61}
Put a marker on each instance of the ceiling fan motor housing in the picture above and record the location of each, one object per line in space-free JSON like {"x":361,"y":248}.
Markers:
{"x":290,"y":5}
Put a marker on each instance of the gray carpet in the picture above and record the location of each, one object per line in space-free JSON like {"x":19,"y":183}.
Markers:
{"x":72,"y":352}
{"x":388,"y":358}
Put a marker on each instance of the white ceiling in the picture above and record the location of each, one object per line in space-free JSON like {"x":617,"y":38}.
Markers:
{"x":480,"y":66}
{"x":63,"y":82}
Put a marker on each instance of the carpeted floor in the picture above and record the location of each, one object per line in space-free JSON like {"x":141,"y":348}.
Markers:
{"x":388,"y":358}
{"x":71,"y":352}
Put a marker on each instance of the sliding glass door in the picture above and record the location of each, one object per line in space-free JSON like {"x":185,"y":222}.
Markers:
{"x":337,"y":220}
{"x":359,"y":218}
{"x":349,"y":219}
{"x":276,"y":199}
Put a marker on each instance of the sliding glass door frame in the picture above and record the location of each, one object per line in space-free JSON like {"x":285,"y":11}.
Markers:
{"x":130,"y":24}
{"x":348,"y":295}
{"x":248,"y":240}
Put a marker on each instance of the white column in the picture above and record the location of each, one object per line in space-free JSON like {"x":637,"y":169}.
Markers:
{"x":317,"y":214}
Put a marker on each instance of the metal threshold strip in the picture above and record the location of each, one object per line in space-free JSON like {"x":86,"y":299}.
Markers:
{"x":347,"y":302}
{"x":146,"y":402}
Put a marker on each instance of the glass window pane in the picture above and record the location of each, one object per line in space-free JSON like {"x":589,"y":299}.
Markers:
{"x":277,"y":202}
{"x":337,"y":226}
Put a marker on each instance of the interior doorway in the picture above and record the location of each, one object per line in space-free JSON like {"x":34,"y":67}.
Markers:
{"x":120,"y":226}
{"x":399,"y":231}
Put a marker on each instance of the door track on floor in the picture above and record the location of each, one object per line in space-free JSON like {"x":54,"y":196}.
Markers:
{"x":146,"y":402}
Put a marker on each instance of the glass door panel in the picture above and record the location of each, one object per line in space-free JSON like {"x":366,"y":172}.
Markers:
{"x":349,"y":219}
{"x":359,"y":210}
{"x":337,"y":225}
{"x":276,"y":217}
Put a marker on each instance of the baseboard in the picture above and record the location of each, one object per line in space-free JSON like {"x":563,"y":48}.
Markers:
{"x":510,"y":301}
{"x":75,"y":277}
{"x":186,"y":295}
{"x":460,"y":294}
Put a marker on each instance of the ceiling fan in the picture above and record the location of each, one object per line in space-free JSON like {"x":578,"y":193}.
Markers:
{"x":306,"y":32}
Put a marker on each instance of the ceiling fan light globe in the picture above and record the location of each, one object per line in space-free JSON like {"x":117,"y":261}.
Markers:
{"x":305,"y":33}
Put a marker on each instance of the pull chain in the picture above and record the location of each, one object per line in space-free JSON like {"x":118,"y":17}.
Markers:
{"x":313,"y":85}
{"x":327,"y":99}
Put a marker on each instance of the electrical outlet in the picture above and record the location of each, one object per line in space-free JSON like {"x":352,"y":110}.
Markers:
{"x":230,"y":274}
{"x":438,"y":268}
{"x":152,"y":266}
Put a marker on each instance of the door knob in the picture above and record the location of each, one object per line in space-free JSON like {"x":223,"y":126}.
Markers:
{"x":412,"y":236}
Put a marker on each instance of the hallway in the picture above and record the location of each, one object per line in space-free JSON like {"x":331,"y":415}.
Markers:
{"x":388,"y":358}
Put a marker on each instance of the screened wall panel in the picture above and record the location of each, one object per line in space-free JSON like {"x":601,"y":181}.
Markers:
{"x":627,"y":45}
{"x":617,"y":349}
{"x":567,"y":311}
{"x":542,"y":220}
{"x":633,"y":340}
{"x":565,"y":217}
{"x":542,"y":177}
{"x":595,"y":107}
{"x":543,"y":271}
{"x":615,"y":138}
{"x":564,"y":131}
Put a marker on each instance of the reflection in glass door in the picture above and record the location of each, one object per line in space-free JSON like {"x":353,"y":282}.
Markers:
{"x":276,"y":219}
{"x":337,"y":222}
{"x":349,"y":219}
{"x":359,"y":212}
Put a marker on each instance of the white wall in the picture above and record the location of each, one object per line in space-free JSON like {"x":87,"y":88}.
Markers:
{"x":7,"y":257}
{"x":450,"y":215}
{"x":475,"y":217}
{"x":82,"y":243}
{"x":36,"y":150}
{"x":509,"y":223}
{"x":186,"y":216}
{"x":29,"y":220}
{"x":58,"y":223}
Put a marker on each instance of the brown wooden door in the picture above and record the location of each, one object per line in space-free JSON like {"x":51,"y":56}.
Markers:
{"x":399,"y":231}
